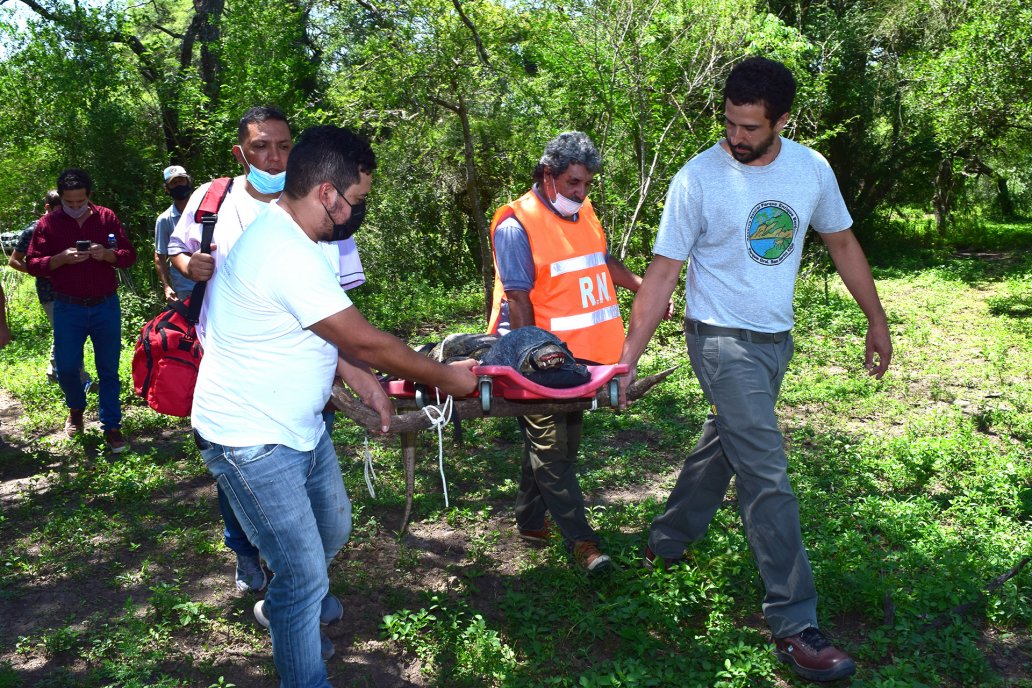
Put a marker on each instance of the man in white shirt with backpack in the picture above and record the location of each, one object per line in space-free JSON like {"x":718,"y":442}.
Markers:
{"x":264,"y":142}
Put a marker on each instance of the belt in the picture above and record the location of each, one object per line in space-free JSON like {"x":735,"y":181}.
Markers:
{"x":738,"y":333}
{"x":81,"y":300}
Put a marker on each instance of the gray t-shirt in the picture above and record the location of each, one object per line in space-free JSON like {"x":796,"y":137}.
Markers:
{"x":163,"y":228}
{"x":741,"y":229}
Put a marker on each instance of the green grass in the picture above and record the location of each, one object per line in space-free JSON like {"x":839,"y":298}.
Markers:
{"x":915,"y":493}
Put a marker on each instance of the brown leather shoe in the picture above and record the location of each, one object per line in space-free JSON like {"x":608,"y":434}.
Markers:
{"x":115,"y":442}
{"x":813,"y":657}
{"x":652,"y":561}
{"x":75,"y":424}
{"x":589,"y":557}
{"x":536,"y":537}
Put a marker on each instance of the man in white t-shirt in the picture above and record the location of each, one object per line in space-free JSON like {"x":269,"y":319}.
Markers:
{"x":263,"y":147}
{"x":279,"y":328}
{"x":737,"y":213}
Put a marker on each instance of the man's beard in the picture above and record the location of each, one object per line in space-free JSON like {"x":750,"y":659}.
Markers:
{"x":747,"y":154}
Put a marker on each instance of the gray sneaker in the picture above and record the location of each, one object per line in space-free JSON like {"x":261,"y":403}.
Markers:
{"x":326,"y":648}
{"x":330,"y":612}
{"x":250,"y":576}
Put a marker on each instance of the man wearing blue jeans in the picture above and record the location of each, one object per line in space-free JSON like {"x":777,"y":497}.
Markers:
{"x":279,"y":328}
{"x":737,"y":213}
{"x":78,"y":247}
{"x":263,"y":148}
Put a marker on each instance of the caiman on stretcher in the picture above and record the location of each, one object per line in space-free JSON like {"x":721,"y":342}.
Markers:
{"x":533,"y":373}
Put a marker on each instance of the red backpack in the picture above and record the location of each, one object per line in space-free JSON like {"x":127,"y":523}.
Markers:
{"x":168,"y":352}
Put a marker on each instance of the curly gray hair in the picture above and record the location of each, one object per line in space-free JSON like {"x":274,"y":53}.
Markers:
{"x":568,"y":148}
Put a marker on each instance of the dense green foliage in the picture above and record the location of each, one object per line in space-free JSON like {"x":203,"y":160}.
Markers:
{"x":916,"y":104}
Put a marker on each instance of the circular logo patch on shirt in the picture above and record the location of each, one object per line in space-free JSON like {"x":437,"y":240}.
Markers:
{"x":771,"y":232}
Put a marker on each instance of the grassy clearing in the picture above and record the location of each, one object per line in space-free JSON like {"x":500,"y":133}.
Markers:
{"x":915,"y":492}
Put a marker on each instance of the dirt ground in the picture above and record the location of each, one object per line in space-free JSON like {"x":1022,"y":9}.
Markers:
{"x":370,"y":576}
{"x":376,"y":574}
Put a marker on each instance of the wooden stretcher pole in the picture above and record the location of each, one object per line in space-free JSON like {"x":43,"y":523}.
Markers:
{"x":409,"y":424}
{"x":408,"y":456}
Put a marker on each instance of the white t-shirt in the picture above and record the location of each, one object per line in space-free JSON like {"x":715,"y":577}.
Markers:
{"x":265,"y":378}
{"x":237,"y":212}
{"x":741,"y":228}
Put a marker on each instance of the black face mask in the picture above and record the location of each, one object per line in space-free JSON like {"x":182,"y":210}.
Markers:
{"x":345,"y":230}
{"x":180,"y":192}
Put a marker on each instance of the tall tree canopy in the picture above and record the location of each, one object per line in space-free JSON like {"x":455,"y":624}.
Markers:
{"x":909,"y":100}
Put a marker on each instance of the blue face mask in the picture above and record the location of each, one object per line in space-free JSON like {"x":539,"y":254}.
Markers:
{"x":262,"y":181}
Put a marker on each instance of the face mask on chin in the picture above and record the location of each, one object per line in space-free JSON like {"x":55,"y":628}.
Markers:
{"x":181,"y":192}
{"x":563,"y":205}
{"x":76,"y":213}
{"x":263,"y":182}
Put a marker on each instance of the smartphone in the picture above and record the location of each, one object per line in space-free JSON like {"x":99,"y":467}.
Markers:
{"x":82,"y":245}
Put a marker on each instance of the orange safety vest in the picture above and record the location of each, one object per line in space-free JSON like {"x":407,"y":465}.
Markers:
{"x":573,"y":294}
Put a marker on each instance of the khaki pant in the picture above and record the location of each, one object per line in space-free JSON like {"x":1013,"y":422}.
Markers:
{"x":549,"y":478}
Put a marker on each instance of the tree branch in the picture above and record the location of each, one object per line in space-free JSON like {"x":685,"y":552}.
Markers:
{"x":481,"y":52}
{"x":168,"y":32}
{"x":961,"y":609}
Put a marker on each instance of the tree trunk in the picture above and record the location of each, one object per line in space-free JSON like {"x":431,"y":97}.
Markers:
{"x":1003,"y":194}
{"x":943,"y":197}
{"x":479,"y":219}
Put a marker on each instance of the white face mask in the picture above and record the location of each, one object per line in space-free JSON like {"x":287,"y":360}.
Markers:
{"x":76,"y":213}
{"x":563,"y":205}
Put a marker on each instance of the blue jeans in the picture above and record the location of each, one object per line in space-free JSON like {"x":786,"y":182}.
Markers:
{"x":741,"y":438}
{"x":233,"y":535}
{"x":102,"y":323}
{"x":293,"y":507}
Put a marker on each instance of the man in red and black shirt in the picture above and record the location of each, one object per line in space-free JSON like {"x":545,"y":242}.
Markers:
{"x":78,"y":247}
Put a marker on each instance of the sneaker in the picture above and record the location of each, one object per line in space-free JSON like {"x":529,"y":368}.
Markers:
{"x":330,"y":613}
{"x":259,"y":614}
{"x":250,"y":576}
{"x":116,"y":444}
{"x":536,"y":537}
{"x":326,"y":648}
{"x":589,"y":557}
{"x":813,"y":657}
{"x":75,"y":424}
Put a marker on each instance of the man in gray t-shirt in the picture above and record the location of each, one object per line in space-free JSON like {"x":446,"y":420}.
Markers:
{"x":737,"y":213}
{"x":175,"y":285}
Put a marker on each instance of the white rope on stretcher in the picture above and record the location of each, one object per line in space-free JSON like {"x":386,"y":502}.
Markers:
{"x":368,"y":469}
{"x":439,"y":417}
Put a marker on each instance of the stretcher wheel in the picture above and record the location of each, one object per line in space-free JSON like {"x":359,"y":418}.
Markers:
{"x":614,"y":393}
{"x":485,"y":396}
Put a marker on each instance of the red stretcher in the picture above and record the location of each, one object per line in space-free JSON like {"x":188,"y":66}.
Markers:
{"x":507,"y":383}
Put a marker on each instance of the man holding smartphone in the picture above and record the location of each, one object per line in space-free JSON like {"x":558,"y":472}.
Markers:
{"x":70,"y":247}
{"x":44,"y":290}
